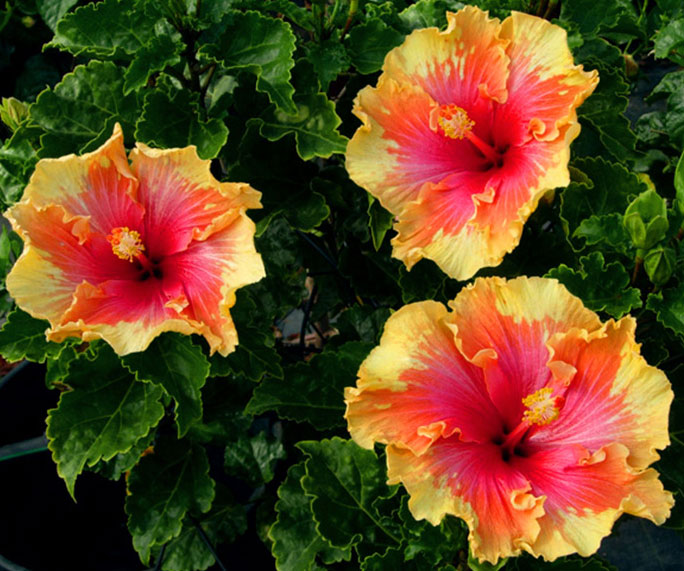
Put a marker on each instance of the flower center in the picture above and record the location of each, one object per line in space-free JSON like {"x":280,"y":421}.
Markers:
{"x":455,"y":124}
{"x":542,"y":407}
{"x":126,"y":243}
{"x":454,"y":121}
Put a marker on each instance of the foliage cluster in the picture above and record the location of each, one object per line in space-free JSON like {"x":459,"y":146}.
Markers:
{"x":265,"y":88}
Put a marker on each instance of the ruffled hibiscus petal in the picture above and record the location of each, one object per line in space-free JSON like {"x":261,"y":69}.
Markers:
{"x":210,"y":271}
{"x":126,"y":314}
{"x":98,"y":185}
{"x":416,"y":387}
{"x":545,"y":87}
{"x":435,"y":226}
{"x":585,"y":493}
{"x":182,"y":199}
{"x":503,"y":326}
{"x":466,"y":64}
{"x":396,"y":151}
{"x":470,"y":481}
{"x":613,"y":396}
{"x":60,"y":252}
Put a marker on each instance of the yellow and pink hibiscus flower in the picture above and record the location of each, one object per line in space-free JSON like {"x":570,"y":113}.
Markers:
{"x":519,"y":412}
{"x":464,"y":133}
{"x":125,"y":251}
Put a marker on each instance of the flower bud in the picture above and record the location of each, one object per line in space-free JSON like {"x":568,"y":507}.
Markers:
{"x":659,"y":264}
{"x":646,"y":220}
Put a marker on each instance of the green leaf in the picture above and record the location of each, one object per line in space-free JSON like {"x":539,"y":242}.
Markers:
{"x":604,"y":229}
{"x":258,"y":44}
{"x":328,"y":58}
{"x":254,"y":357}
{"x":114,"y":468}
{"x":253,"y":458}
{"x":351,"y":501}
{"x":601,"y":287}
{"x":608,"y":189}
{"x":380,"y":221}
{"x":368,"y":44}
{"x":424,"y":14}
{"x":109,"y":29}
{"x":174,"y":363}
{"x":314,"y":126}
{"x":591,"y":15}
{"x":296,"y":543}
{"x":173,"y":120}
{"x":679,"y":183}
{"x":162,"y":488}
{"x":52,"y":10}
{"x":669,"y":41}
{"x":363,"y":322}
{"x":313,"y":391}
{"x":106,"y":412}
{"x":23,"y":337}
{"x":475,"y":565}
{"x":224,"y":523}
{"x":155,"y":56}
{"x":604,"y":112}
{"x":668,"y":305}
{"x":646,"y":219}
{"x":423,"y":281}
{"x":80,"y":112}
{"x":435,"y":543}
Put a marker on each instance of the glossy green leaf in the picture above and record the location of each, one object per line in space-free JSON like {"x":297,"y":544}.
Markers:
{"x":604,"y":112}
{"x":424,"y":14}
{"x":350,"y":497}
{"x":23,"y":337}
{"x":368,"y":43}
{"x":223,"y":523}
{"x":174,"y":363}
{"x":363,"y":322}
{"x":314,"y":126}
{"x":669,"y":41}
{"x":106,"y":412}
{"x":590,"y":15}
{"x":253,"y":458}
{"x":52,"y":10}
{"x":254,"y":357}
{"x":261,"y":45}
{"x":173,"y":120}
{"x":108,"y":29}
{"x":434,"y":543}
{"x":608,"y":190}
{"x":668,"y":305}
{"x":79,"y":113}
{"x":679,"y":183}
{"x":296,"y":543}
{"x":313,"y":391}
{"x":329,"y":59}
{"x":162,"y":488}
{"x":380,"y":221}
{"x":601,"y":286}
{"x":604,"y":229}
{"x":116,"y":467}
{"x":161,"y":51}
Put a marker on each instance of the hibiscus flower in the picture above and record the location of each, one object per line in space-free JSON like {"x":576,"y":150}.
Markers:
{"x":518,"y":411}
{"x":466,"y":130}
{"x":123,"y":252}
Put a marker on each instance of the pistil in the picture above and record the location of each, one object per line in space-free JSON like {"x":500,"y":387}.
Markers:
{"x":456,"y":124}
{"x":127,"y":245}
{"x":541,"y":408}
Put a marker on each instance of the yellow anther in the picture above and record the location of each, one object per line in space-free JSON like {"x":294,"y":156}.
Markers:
{"x":126,"y":243}
{"x":454,"y":121}
{"x":542,"y":407}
